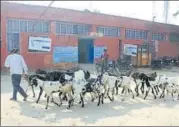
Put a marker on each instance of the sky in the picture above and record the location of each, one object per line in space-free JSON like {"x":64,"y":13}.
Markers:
{"x":134,"y":9}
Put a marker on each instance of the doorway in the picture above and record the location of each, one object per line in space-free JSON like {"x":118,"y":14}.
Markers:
{"x":85,"y":50}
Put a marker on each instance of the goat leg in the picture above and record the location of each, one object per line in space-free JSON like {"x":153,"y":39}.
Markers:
{"x":147,"y":92}
{"x":158,"y":89}
{"x":33,"y":90}
{"x":92,"y":98}
{"x":132,"y":94}
{"x":113,"y":94}
{"x":69,"y":103}
{"x":60,"y":98}
{"x":116,"y":86}
{"x":162,"y":94}
{"x":153,"y":93}
{"x":55,"y":102}
{"x":99,"y":99}
{"x":40,"y":93}
{"x":82,"y":101}
{"x":122,"y":91}
{"x":117,"y":90}
{"x":102,"y":98}
{"x":47,"y":102}
{"x":125,"y":92}
{"x":45,"y":95}
{"x":137,"y":90}
{"x":172,"y":95}
{"x":142,"y":88}
{"x":109,"y":96}
{"x":65,"y":97}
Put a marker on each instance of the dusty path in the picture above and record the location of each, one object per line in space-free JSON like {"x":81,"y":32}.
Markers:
{"x":130,"y":112}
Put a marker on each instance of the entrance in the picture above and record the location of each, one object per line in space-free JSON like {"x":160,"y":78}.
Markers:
{"x":143,"y":55}
{"x":85,"y":50}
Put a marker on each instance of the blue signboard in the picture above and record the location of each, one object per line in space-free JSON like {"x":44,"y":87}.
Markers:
{"x":65,"y":54}
{"x":98,"y":51}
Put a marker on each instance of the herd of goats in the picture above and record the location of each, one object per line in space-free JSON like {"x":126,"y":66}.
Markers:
{"x":72,"y":86}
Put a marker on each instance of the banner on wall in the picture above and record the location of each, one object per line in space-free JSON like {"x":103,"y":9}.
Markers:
{"x":130,"y":49}
{"x":39,"y":43}
{"x":98,"y":51}
{"x":65,"y":54}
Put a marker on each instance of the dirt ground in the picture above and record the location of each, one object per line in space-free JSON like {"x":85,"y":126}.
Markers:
{"x":131,"y":112}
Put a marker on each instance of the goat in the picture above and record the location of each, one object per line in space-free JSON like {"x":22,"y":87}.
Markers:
{"x":146,"y":79}
{"x":29,"y":78}
{"x":128,"y":84}
{"x":79,"y":89}
{"x":171,"y":85}
{"x":48,"y":86}
{"x":67,"y":91}
{"x":109,"y":83}
{"x":99,"y":88}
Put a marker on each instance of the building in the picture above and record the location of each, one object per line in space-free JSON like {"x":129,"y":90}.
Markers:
{"x":63,"y":26}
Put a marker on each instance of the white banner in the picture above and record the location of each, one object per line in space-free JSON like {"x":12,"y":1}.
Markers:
{"x":130,"y":49}
{"x":40,"y":43}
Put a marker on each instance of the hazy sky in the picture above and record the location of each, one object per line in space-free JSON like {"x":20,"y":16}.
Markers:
{"x":134,"y":9}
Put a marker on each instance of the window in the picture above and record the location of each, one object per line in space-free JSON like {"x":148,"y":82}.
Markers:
{"x":109,"y":31}
{"x":80,"y":29}
{"x":38,"y":27}
{"x":135,"y":34}
{"x":63,"y":28}
{"x":13,"y":41}
{"x":13,"y":26}
{"x":127,"y":33}
{"x":174,"y":37}
{"x":30,"y":26}
{"x":69,"y":29}
{"x":114,"y":32}
{"x":75,"y":29}
{"x":21,"y":25}
{"x":158,"y":36}
{"x":45,"y":27}
{"x":72,"y":28}
{"x":132,"y":34}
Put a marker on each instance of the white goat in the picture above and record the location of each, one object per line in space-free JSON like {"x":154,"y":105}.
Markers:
{"x":127,"y":83}
{"x":109,"y":83}
{"x":66,"y":90}
{"x":49,"y":87}
{"x":171,"y":85}
{"x":79,"y":89}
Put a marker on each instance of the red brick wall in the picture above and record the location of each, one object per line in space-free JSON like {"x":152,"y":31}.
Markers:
{"x":35,"y":60}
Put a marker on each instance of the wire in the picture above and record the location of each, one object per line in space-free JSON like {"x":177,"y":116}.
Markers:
{"x":43,"y":13}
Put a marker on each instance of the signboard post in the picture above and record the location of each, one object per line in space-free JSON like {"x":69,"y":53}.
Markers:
{"x":39,"y":43}
{"x":130,"y":49}
{"x":62,"y":54}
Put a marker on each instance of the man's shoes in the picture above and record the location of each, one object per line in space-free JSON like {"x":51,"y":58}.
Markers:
{"x":25,"y":98}
{"x":12,"y":99}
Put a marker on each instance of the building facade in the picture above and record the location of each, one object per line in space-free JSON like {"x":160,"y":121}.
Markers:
{"x":64,"y":27}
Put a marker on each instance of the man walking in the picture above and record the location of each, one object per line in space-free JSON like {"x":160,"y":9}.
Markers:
{"x":18,"y":67}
